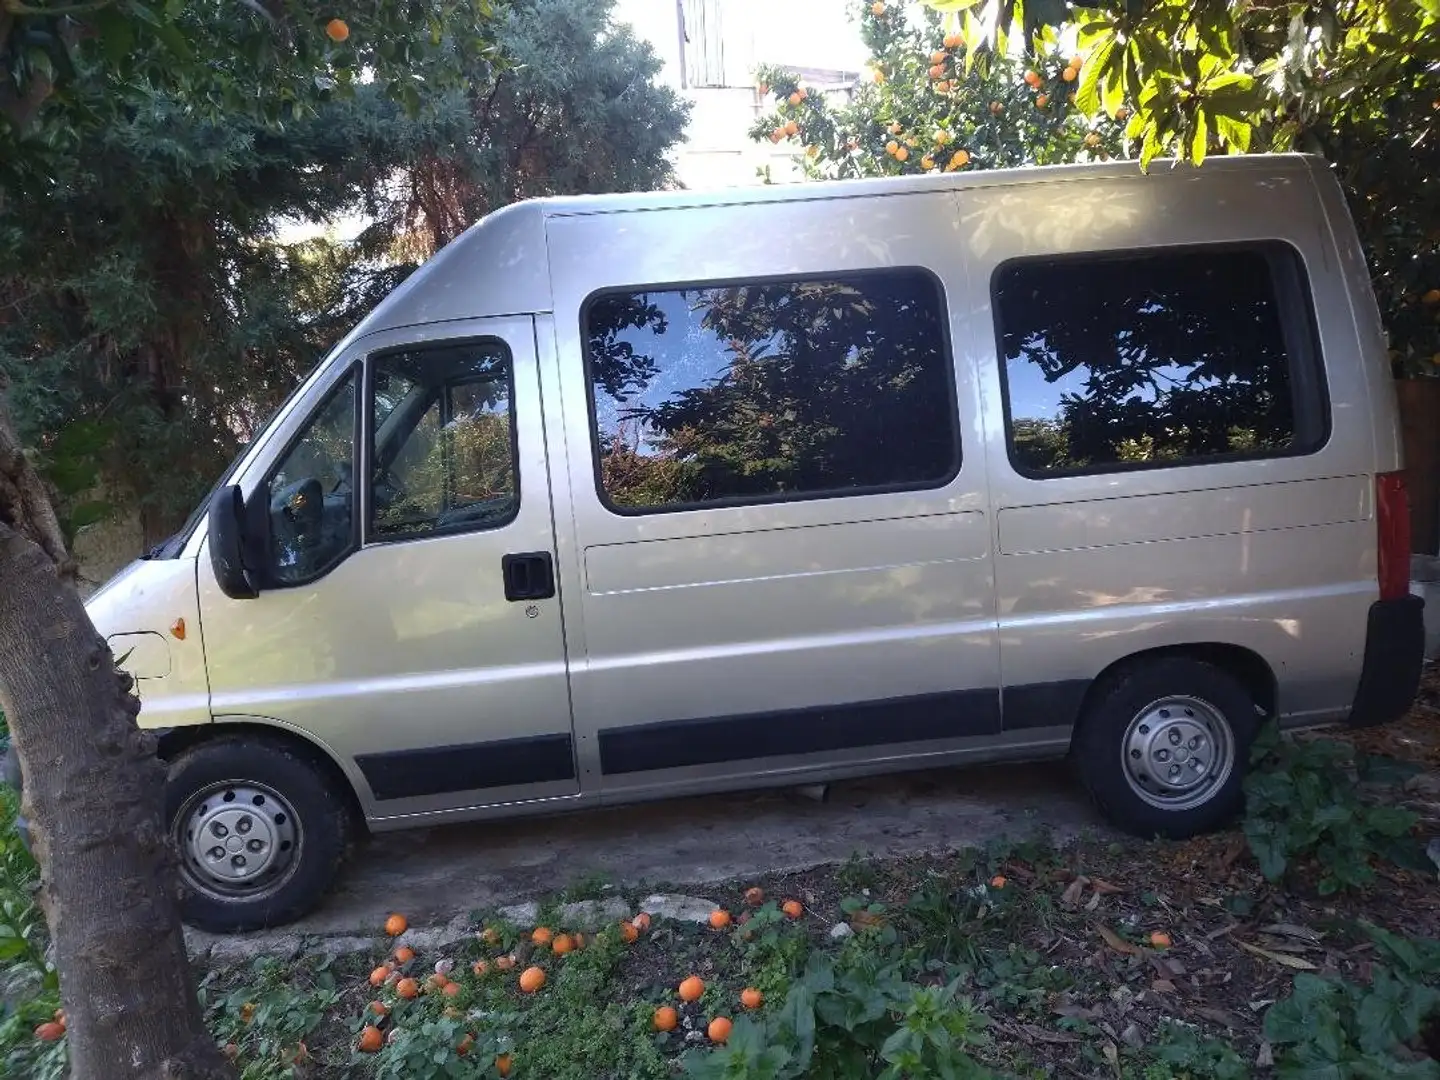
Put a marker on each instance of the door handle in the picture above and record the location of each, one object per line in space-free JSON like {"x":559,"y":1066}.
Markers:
{"x":528,"y":576}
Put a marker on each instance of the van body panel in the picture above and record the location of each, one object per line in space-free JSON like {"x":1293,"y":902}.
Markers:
{"x":440,"y":691}
{"x":1275,"y":555}
{"x":735,"y":640}
{"x":138,"y":612}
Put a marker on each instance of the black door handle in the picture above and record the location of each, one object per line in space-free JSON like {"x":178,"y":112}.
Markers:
{"x":530,"y":576}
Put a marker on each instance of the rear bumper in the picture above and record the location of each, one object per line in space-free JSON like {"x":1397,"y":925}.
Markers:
{"x":1394,"y":655}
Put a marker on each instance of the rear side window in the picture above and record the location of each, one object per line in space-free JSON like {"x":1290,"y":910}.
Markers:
{"x":754,"y":392}
{"x":1157,"y":359}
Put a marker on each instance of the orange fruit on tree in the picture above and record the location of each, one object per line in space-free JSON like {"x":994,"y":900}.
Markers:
{"x":877,"y":9}
{"x":407,"y":989}
{"x":927,"y":162}
{"x":1160,"y":940}
{"x":465,"y":1045}
{"x":719,"y":918}
{"x":751,"y":998}
{"x":791,"y":127}
{"x":451,"y":989}
{"x":562,"y":944}
{"x":1077,"y":62}
{"x":665,"y":1018}
{"x":50,"y":1031}
{"x":938,"y":71}
{"x":777,"y":134}
{"x":480,"y":968}
{"x":692,"y":988}
{"x":878,"y":76}
{"x":1431,"y":297}
{"x":938,"y":57}
{"x":59,"y":1017}
{"x":942,"y":87}
{"x":490,"y":936}
{"x":1033,"y":79}
{"x":754,"y":896}
{"x":247,"y":1012}
{"x":542,"y":935}
{"x":371,"y":1040}
{"x":396,"y":925}
{"x":379,"y":1008}
{"x":1123,"y":113}
{"x":1092,"y":139}
{"x":404,"y":954}
{"x":379,"y":975}
{"x":719,"y":1029}
{"x":954,"y":41}
{"x":437,"y":981}
{"x":579,"y":940}
{"x":998,"y":881}
{"x":504,"y":963}
{"x":795,"y":98}
{"x":337,"y":30}
{"x":961,"y":159}
{"x":641,"y":921}
{"x":1069,"y":74}
{"x":1042,"y":101}
{"x":895,"y":127}
{"x":628,"y":931}
{"x":902,"y":154}
{"x":996,"y":108}
{"x":503,"y":1064}
{"x":792,"y":908}
{"x":532,"y":979}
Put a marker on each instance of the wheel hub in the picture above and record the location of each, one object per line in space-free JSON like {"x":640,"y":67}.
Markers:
{"x":237,"y":838}
{"x":1177,"y":751}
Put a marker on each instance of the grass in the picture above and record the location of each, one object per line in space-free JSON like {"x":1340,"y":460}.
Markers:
{"x":1319,"y":958}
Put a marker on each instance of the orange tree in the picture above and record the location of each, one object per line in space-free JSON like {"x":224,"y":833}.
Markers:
{"x":1355,"y":80}
{"x":928,"y":105}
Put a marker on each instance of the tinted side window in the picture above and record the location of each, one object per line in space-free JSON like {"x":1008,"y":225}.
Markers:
{"x":1158,"y":359}
{"x":754,"y":392}
{"x":443,"y":457}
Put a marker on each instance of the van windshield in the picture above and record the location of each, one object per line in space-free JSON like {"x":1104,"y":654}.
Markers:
{"x":171,"y":547}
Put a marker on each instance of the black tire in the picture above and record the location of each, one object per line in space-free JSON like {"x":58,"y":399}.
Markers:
{"x":1104,"y":740}
{"x":316,"y":820}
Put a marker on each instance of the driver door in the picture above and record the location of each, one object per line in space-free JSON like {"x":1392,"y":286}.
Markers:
{"x":410,"y":622}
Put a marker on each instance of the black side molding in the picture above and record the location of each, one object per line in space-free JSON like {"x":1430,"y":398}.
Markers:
{"x":673,"y":744}
{"x":439,"y":770}
{"x":1394,"y":656}
{"x":1037,"y":705}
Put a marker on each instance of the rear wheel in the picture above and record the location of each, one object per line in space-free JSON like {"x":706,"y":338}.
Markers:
{"x":260,"y":832}
{"x":1164,"y":745}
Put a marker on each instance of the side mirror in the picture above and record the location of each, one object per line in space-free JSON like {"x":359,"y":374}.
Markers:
{"x":227,"y":516}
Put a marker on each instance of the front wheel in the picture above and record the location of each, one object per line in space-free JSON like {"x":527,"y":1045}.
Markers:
{"x":1163,"y":748}
{"x":260,"y":832}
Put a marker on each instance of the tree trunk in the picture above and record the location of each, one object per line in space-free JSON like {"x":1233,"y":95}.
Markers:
{"x":93,"y":794}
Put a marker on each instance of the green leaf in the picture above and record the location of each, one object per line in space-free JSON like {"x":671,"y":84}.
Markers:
{"x":1087,"y":96}
{"x":173,"y":38}
{"x":89,"y":513}
{"x":949,"y":6}
{"x":1235,"y":134}
{"x":1200,"y":138}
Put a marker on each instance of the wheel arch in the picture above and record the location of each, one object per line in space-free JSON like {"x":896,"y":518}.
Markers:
{"x":1251,"y":669}
{"x":172,"y":742}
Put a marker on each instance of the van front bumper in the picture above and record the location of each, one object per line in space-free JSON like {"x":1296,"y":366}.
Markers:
{"x":1394,"y":655}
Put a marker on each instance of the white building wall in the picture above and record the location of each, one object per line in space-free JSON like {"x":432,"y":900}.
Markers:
{"x":791,"y":33}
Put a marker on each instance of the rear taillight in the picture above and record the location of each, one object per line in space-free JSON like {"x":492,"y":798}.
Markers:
{"x":1392,"y":514}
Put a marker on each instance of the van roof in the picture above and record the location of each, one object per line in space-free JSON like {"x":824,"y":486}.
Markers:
{"x":498,"y":266}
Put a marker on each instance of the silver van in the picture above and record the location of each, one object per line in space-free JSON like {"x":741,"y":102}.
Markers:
{"x":633,"y":496}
